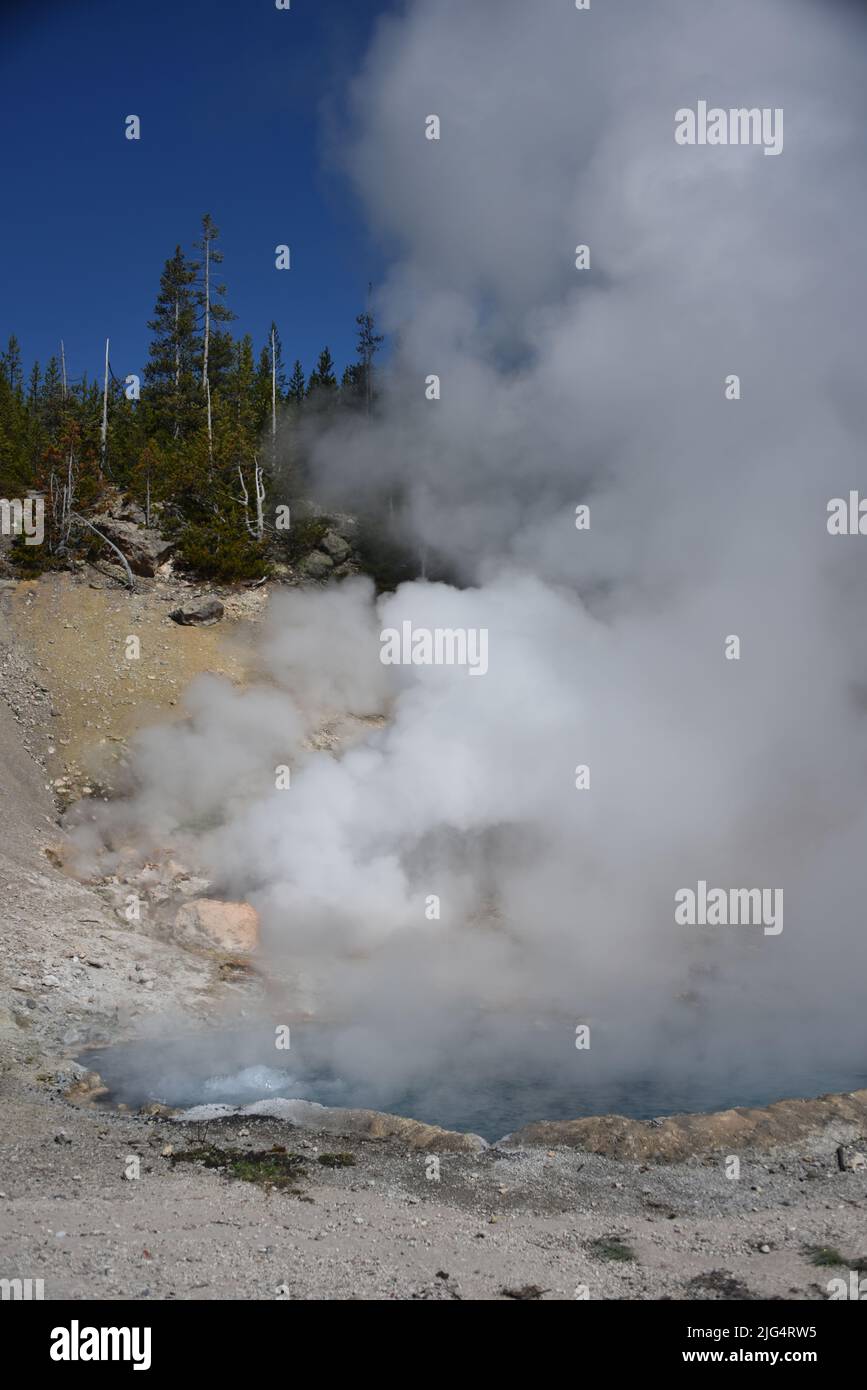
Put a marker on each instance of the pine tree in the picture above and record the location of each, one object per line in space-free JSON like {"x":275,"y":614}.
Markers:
{"x":147,"y":478}
{"x":368,"y":345}
{"x":50,"y":403}
{"x":70,"y":480}
{"x":287,"y":470}
{"x":14,"y":470}
{"x":352,"y":392}
{"x":297,"y":389}
{"x":172,"y":398}
{"x":127,"y":434}
{"x":241,"y":440}
{"x":322,"y":386}
{"x":11,"y":368}
{"x":199,"y":451}
{"x":270,"y":385}
{"x":33,"y":388}
{"x":217,"y":349}
{"x":262,"y":389}
{"x":241,"y":425}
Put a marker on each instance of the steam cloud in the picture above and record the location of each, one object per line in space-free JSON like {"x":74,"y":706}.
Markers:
{"x":562,"y":387}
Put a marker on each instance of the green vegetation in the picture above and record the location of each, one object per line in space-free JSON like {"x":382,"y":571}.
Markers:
{"x":269,"y":1168}
{"x":610,"y":1248}
{"x":305,"y":535}
{"x":823,"y":1255}
{"x":208,"y":444}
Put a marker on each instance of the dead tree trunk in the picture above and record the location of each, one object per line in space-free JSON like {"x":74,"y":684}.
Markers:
{"x":176,"y":427}
{"x":207,"y":339}
{"x":273,"y":398}
{"x":257,"y":531}
{"x":84,"y":521}
{"x":260,"y":498}
{"x":104,"y":430}
{"x":210,"y":423}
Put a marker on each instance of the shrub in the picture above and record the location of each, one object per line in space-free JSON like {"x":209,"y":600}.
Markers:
{"x":219,"y":551}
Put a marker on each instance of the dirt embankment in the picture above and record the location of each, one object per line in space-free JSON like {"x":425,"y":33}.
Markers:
{"x":70,"y":699}
{"x":74,"y":634}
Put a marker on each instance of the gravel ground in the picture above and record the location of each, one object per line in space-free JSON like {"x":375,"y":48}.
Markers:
{"x":564,"y":1222}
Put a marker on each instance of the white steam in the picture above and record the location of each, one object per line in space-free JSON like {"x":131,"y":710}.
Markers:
{"x":562,"y":387}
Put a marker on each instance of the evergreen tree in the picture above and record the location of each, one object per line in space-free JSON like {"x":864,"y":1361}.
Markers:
{"x":297,"y":389}
{"x":270,"y":375}
{"x":11,"y":368}
{"x":367,"y":347}
{"x":198,"y":452}
{"x":352,"y":392}
{"x":322,"y":386}
{"x":216,"y":343}
{"x":50,"y":403}
{"x":127,"y":436}
{"x":262,"y":389}
{"x":147,"y":479}
{"x":33,"y":388}
{"x":173,"y":398}
{"x":14,"y":471}
{"x":240,"y":422}
{"x":45,"y":412}
{"x":69,"y":477}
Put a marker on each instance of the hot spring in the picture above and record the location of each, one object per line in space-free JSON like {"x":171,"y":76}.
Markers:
{"x":542,"y":1076}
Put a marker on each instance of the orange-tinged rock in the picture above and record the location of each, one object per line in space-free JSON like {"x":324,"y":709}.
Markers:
{"x":228,"y":926}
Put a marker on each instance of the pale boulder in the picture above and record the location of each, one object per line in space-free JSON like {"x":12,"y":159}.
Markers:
{"x":228,"y":926}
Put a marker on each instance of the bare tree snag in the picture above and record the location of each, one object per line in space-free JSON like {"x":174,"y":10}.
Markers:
{"x":84,"y":521}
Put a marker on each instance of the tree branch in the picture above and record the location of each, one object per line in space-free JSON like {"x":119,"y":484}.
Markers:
{"x":74,"y":516}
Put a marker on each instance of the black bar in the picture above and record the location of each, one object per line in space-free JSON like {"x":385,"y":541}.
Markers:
{"x":220,"y":1337}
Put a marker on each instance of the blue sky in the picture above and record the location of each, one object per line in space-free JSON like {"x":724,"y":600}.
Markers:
{"x":234,"y":98}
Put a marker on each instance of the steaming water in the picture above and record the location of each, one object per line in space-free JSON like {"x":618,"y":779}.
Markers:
{"x":491,"y":1105}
